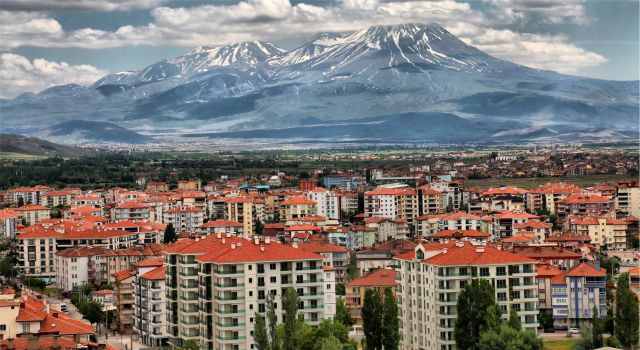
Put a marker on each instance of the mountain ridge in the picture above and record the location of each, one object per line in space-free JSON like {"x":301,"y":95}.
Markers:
{"x":336,"y":78}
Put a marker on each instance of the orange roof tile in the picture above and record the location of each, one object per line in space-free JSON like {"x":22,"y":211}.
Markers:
{"x":471,"y":255}
{"x":460,"y":234}
{"x":586,"y":270}
{"x":155,"y":274}
{"x":379,"y":278}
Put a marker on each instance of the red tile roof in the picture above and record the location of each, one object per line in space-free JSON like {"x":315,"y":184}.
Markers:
{"x":124,"y":274}
{"x":379,"y":278}
{"x":81,"y":251}
{"x":303,"y":227}
{"x":515,"y":215}
{"x":472,"y":255}
{"x":221,"y":223}
{"x":155,"y":274}
{"x":247,"y":251}
{"x":298,"y":200}
{"x":584,"y":199}
{"x":537,"y":224}
{"x":44,"y":343}
{"x":460,"y":234}
{"x":510,"y":190}
{"x":60,"y":323}
{"x":32,"y":207}
{"x":546,"y":253}
{"x":321,"y":247}
{"x":154,"y":261}
{"x":586,"y":270}
{"x":458,"y":216}
{"x":547,"y":270}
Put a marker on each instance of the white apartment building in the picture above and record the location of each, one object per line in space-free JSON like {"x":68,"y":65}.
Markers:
{"x":76,"y":266}
{"x":184,"y":219}
{"x":459,"y":221}
{"x":327,"y":203}
{"x":216,"y":285}
{"x":149,"y":319}
{"x":628,"y":198}
{"x":429,"y":282}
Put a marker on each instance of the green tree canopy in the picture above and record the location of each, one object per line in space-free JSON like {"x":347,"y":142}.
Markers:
{"x":342,"y":314}
{"x":260,"y":335}
{"x":372,"y":311}
{"x":390,"y":322}
{"x":169,"y":234}
{"x":626,"y":314}
{"x":473,"y":302}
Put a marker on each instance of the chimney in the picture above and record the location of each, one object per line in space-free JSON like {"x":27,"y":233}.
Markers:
{"x":224,"y":241}
{"x":294,"y":244}
{"x":267,"y":240}
{"x":239,"y":244}
{"x":445,"y":250}
{"x":459,"y":244}
{"x":233,"y":246}
{"x":479,"y":249}
{"x":256,"y":240}
{"x":262,"y":248}
{"x":228,"y":235}
{"x":219,"y":235}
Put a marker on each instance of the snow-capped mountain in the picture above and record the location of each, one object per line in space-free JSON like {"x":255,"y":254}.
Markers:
{"x":419,"y":81}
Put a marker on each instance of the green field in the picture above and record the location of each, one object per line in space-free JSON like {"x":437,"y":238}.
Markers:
{"x":528,"y":183}
{"x":11,"y":155}
{"x":559,"y":344}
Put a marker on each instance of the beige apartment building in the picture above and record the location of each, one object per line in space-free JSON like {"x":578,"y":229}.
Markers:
{"x":215,"y":286}
{"x":429,"y":282}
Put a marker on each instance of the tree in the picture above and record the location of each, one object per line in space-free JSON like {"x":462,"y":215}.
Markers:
{"x":91,"y":310}
{"x":330,"y":343}
{"x":290,"y":304}
{"x":545,"y":318}
{"x":169,"y":234}
{"x":372,"y":310}
{"x":492,"y":319}
{"x":352,"y":268}
{"x":259,"y":227}
{"x":505,"y":337}
{"x":260,"y":335}
{"x":190,"y":345}
{"x":597,"y":328}
{"x":342,"y":314}
{"x":473,"y":302}
{"x":340,"y":289}
{"x":514,"y":320}
{"x":390,"y":322}
{"x":626,"y":314}
{"x":272,"y":318}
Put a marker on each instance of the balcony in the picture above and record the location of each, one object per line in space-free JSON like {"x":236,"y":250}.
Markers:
{"x":230,"y":312}
{"x":229,"y":285}
{"x":230,"y":338}
{"x":229,"y":325}
{"x":228,"y":272}
{"x":228,"y":298}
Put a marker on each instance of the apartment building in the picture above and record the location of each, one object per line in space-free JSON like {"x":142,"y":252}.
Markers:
{"x":382,"y":202}
{"x":575,"y":292}
{"x":327,"y":203}
{"x":76,"y":266}
{"x":9,"y":220}
{"x":183,"y":218}
{"x":429,"y":200}
{"x":28,"y":195}
{"x":149,"y":304}
{"x":216,"y":285}
{"x":33,"y":213}
{"x":113,"y":261}
{"x":628,"y":198}
{"x":459,"y":221}
{"x":603,"y":231}
{"x":547,"y":196}
{"x":334,"y":256}
{"x":124,"y":292}
{"x":430,"y":280}
{"x":223,"y":227}
{"x":583,"y":205}
{"x":132,"y":210}
{"x":356,"y":288}
{"x":297,"y":207}
{"x":242,"y":210}
{"x":52,"y":199}
{"x":503,"y":224}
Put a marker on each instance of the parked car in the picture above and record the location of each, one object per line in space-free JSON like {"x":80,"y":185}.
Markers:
{"x":574,"y":331}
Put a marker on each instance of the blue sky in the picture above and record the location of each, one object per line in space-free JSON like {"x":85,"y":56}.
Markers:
{"x":50,"y":42}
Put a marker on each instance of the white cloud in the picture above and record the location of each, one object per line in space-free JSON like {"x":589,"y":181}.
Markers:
{"x":19,"y":74}
{"x":279,"y":19}
{"x":541,"y":51}
{"x":89,"y":5}
{"x":548,"y":11}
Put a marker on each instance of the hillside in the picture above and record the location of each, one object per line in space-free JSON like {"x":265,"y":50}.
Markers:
{"x":33,"y":146}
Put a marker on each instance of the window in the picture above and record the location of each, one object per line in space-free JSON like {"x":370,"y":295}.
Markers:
{"x":3,"y":327}
{"x":484,"y":271}
{"x":272,"y":279}
{"x":501,"y":284}
{"x":25,"y":328}
{"x":272,"y":266}
{"x":501,"y":271}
